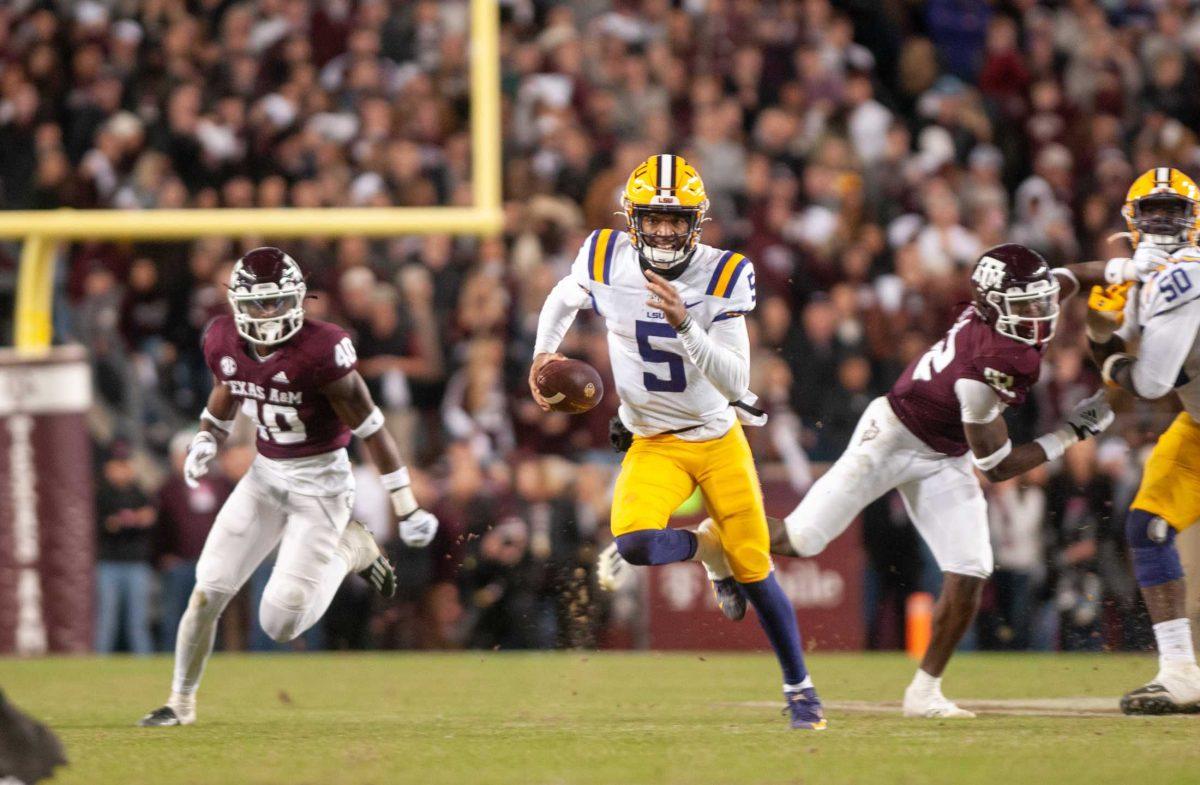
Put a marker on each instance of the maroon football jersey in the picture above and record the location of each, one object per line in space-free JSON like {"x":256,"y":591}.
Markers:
{"x":282,"y":392}
{"x":924,"y":399}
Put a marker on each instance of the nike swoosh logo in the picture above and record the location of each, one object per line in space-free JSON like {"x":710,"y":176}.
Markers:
{"x":693,"y":305}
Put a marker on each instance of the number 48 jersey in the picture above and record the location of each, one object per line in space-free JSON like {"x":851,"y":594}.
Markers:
{"x":661,"y":389}
{"x":924,"y":398}
{"x":281,"y":393}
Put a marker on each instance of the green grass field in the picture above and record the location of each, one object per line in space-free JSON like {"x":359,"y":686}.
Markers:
{"x":615,"y":719}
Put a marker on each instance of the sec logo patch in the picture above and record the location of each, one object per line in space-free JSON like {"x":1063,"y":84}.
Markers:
{"x":228,"y":365}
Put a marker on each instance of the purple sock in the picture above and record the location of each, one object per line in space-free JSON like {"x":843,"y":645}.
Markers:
{"x":657,"y":546}
{"x":778,"y":620}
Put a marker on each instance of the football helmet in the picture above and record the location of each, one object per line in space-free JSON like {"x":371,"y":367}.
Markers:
{"x":266,"y":292}
{"x":1016,"y":294}
{"x":1163,"y":208}
{"x":664,"y":190}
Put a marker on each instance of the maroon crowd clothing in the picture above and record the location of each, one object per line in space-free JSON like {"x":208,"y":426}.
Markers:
{"x":185,"y":514}
{"x":924,"y":398}
{"x":282,"y":392}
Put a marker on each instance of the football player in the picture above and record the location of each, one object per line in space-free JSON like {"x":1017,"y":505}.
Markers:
{"x":939,"y":423}
{"x":296,"y":378}
{"x":680,"y":354}
{"x":1162,"y":307}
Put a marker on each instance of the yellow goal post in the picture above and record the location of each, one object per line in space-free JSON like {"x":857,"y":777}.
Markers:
{"x":42,"y":230}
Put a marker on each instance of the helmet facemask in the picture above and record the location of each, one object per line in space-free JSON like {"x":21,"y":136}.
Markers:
{"x":664,"y":235}
{"x":1029,"y":314}
{"x":1164,"y":219}
{"x":267,"y":314}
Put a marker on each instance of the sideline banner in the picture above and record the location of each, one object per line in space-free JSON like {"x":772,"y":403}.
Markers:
{"x":826,"y":593}
{"x":47,"y":515}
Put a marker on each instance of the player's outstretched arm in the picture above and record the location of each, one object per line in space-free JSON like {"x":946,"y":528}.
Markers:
{"x":994,"y":454}
{"x":351,"y":402}
{"x":216,"y":421}
{"x":1082,"y":276}
{"x":558,"y":313}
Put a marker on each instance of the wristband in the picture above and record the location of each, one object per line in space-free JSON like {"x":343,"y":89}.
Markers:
{"x":685,"y":325}
{"x":370,"y":424}
{"x":992,"y":461}
{"x":1055,"y":443}
{"x":394,"y":481}
{"x":1109,"y":370}
{"x":217,"y":422}
{"x":404,"y":503}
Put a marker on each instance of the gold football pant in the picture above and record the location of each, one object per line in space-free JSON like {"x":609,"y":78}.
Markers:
{"x":660,"y":472}
{"x":1170,"y":485}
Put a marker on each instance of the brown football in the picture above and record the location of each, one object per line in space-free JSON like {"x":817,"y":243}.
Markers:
{"x":570,"y":386}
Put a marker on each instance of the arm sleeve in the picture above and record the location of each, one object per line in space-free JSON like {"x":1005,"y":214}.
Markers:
{"x":979,"y":403}
{"x":1162,"y":352}
{"x":1128,"y":330}
{"x":722,"y":355}
{"x":565,"y":300}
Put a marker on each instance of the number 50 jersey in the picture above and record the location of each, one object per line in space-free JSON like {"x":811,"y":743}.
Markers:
{"x":924,"y":399}
{"x":661,"y":389}
{"x":281,"y":393}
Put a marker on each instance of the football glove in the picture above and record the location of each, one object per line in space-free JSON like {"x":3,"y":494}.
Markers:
{"x":200,"y":452}
{"x":612,"y":571}
{"x":1106,"y":311}
{"x":1091,"y":416}
{"x":620,"y":437}
{"x":418,"y":528}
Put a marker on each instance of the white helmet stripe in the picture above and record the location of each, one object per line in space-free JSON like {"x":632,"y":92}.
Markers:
{"x":1162,"y":177}
{"x":666,"y":172}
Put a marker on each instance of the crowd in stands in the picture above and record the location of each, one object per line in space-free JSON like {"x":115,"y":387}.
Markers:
{"x":861,"y":154}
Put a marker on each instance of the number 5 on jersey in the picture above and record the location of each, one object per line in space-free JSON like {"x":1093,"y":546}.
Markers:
{"x":676,"y":380}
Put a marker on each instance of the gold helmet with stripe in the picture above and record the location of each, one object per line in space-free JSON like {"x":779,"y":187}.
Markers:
{"x":1163,"y":208}
{"x":665,"y":204}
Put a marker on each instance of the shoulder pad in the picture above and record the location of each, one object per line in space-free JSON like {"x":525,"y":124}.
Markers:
{"x":1188,"y":253}
{"x":1169,"y":288}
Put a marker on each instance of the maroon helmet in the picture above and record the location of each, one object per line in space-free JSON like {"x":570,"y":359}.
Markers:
{"x":266,"y":292}
{"x":1016,"y":294}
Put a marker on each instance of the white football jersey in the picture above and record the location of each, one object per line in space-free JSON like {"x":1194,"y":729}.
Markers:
{"x":1166,"y":313}
{"x":660,"y":387}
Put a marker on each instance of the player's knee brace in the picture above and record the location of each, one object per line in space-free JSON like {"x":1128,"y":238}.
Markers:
{"x":656,"y":546}
{"x":1152,"y":542}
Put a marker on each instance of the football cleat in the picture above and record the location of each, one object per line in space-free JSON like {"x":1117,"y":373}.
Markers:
{"x":366,"y":559}
{"x":1175,"y":690}
{"x":932,"y":705}
{"x":166,"y":717}
{"x":805,"y":709}
{"x":730,"y":599}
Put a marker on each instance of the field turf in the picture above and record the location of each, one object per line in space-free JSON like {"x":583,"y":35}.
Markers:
{"x":616,"y":719}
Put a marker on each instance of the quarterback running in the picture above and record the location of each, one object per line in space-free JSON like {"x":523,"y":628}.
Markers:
{"x":296,"y":378}
{"x":680,"y":354}
{"x":1154,"y":297}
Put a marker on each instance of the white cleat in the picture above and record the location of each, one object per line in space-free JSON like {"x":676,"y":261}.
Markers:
{"x":169,"y":716}
{"x":933,"y":705}
{"x":365,"y":558}
{"x":1175,"y":690}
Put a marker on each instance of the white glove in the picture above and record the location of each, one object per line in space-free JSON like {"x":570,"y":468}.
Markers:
{"x":612,"y":571}
{"x":1148,"y":258}
{"x":418,"y":528}
{"x":200,"y":452}
{"x":1091,"y":416}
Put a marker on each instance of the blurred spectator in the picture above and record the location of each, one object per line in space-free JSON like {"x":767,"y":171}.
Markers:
{"x":185,"y":516}
{"x":124,"y":577}
{"x":1016,"y":512}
